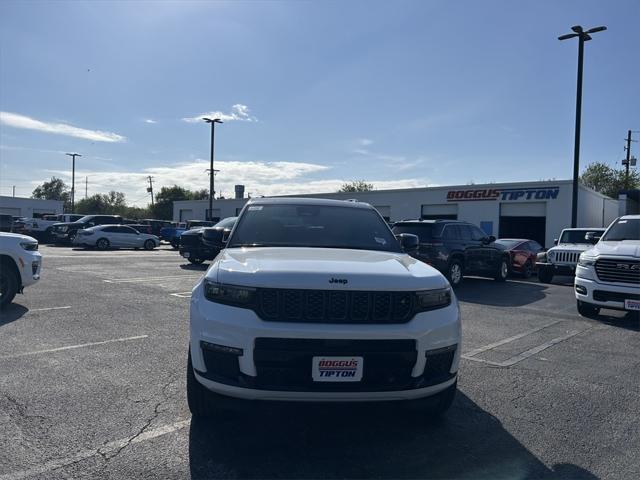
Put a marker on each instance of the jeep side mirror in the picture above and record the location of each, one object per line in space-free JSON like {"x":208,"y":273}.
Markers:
{"x":555,"y":241}
{"x":408,"y":242}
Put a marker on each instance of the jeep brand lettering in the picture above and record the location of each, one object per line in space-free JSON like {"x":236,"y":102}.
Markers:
{"x":505,"y":194}
{"x":342,"y":281}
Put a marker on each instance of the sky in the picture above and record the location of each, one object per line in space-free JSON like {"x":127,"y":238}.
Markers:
{"x":312,"y":93}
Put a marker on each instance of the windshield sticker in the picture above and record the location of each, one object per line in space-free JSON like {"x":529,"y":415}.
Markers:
{"x":381,"y":241}
{"x":255,"y":207}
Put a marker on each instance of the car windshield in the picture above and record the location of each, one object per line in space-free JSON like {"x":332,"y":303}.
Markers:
{"x":623,"y":229}
{"x":507,"y":244}
{"x":85,"y":219}
{"x":313,"y":226}
{"x":424,"y":231}
{"x":226,"y":222}
{"x":577,"y":236}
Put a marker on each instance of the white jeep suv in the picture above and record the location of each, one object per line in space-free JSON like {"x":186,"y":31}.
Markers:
{"x":315,"y":300}
{"x":608,"y":275}
{"x":20,"y":264}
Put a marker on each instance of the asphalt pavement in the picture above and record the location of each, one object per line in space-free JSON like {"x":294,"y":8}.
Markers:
{"x":92,"y":385}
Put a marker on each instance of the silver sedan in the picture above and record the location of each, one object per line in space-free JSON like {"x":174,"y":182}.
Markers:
{"x":115,"y":236}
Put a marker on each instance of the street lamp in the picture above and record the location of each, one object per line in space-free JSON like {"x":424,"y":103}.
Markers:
{"x":212,"y":192}
{"x":583,"y":36}
{"x":73,"y":178}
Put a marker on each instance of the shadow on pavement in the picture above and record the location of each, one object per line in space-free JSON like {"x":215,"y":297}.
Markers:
{"x":356,"y":441}
{"x":628,"y":320}
{"x":12,"y":313}
{"x":189,"y":266}
{"x":500,"y":294}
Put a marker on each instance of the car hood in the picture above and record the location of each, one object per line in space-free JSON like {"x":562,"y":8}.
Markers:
{"x":571,"y":247}
{"x":323,"y":268}
{"x":626,"y":248}
{"x":16,"y":237}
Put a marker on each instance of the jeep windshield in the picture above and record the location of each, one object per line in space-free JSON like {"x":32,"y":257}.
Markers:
{"x":320,"y":226}
{"x":577,"y":236}
{"x":623,"y":229}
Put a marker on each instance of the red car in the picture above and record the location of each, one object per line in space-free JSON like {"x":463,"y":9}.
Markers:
{"x":523,"y":254}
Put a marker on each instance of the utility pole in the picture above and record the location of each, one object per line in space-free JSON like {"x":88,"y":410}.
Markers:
{"x":583,"y":36}
{"x":150,"y":188}
{"x":73,"y":179}
{"x":86,"y":186}
{"x":212,"y":192}
{"x":629,"y":160}
{"x":14,"y":187}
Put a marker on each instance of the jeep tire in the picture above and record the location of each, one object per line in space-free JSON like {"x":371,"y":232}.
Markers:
{"x":545,"y":275}
{"x":9,"y":284}
{"x":455,"y":272}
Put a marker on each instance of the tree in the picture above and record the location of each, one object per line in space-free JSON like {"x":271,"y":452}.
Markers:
{"x":54,"y":189}
{"x":356,"y":186}
{"x":163,"y":208}
{"x":112,"y":203}
{"x":608,"y":180}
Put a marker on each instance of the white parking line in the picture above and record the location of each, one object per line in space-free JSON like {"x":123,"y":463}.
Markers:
{"x":181,"y":294}
{"x":72,"y":347}
{"x":49,"y":308}
{"x":491,"y":346}
{"x":103,"y":450}
{"x":149,"y":279}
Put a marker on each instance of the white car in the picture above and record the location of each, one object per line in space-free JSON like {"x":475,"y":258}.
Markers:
{"x":316,"y":300}
{"x":608,"y":275}
{"x":115,"y":236}
{"x":20,"y":265}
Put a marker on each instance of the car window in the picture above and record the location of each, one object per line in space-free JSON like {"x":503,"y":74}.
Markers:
{"x":465,"y":232}
{"x":476,"y":233}
{"x":129,"y":230}
{"x":534,"y":246}
{"x":451,"y":232}
{"x":424,"y":231}
{"x":110,"y":229}
{"x":623,"y":229}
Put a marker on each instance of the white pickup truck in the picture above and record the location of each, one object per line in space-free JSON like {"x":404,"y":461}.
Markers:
{"x":20,"y":265}
{"x":608,"y":275}
{"x":41,"y":227}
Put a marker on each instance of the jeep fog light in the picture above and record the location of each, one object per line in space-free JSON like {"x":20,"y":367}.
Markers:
{"x":431,"y":299}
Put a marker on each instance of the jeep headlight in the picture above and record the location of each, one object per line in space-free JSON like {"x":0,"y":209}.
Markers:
{"x":228,"y":294}
{"x":586,"y":261}
{"x":551,"y":255}
{"x":432,"y":299}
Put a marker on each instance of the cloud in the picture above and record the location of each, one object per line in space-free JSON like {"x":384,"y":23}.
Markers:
{"x":149,"y":120}
{"x":239,"y":113}
{"x":259,"y":178}
{"x":364,"y":142}
{"x":21,"y":121}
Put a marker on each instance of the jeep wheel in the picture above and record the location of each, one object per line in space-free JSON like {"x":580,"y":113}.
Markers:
{"x":503,"y":270}
{"x":455,"y":272}
{"x":8,"y":285}
{"x":587,"y":309}
{"x":196,"y":261}
{"x":72,"y":237}
{"x":527,"y":270}
{"x":175,"y":244}
{"x":202,"y":402}
{"x":102,"y":244}
{"x":544,"y":275}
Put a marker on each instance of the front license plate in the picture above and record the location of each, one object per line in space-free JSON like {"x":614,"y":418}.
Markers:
{"x":337,"y":369}
{"x":632,"y":305}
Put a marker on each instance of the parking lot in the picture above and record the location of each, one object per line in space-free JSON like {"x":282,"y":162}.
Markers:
{"x":93,"y":362}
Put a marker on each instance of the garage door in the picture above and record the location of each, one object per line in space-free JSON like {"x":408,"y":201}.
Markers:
{"x":186,"y":214}
{"x":440,"y":212}
{"x":523,"y":220}
{"x":10,"y":211}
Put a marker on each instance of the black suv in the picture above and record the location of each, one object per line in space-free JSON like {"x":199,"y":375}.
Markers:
{"x":456,"y":248}
{"x":66,"y":231}
{"x":200,"y":244}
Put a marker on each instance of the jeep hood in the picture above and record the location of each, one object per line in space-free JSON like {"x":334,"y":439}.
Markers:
{"x":323,"y":268}
{"x":626,"y":248}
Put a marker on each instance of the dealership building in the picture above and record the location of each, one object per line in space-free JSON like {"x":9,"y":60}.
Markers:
{"x":535,"y":210}
{"x":30,"y":207}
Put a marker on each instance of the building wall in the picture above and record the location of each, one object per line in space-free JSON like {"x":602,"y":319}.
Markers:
{"x":555,"y":204}
{"x":27,"y":207}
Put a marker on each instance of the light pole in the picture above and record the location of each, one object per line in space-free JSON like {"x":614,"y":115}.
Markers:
{"x":73,"y":178}
{"x":583,"y":36}
{"x":212,"y":192}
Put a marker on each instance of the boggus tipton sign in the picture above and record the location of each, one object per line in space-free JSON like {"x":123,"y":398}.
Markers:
{"x":484,"y":194}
